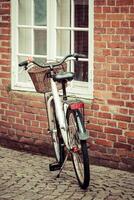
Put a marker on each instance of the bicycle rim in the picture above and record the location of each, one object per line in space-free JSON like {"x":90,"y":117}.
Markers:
{"x":79,"y":150}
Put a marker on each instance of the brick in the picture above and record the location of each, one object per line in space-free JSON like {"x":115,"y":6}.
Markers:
{"x":100,"y":87}
{"x":115,"y":102}
{"x":102,"y":121}
{"x":95,"y":127}
{"x":131,"y":112}
{"x":130,"y":104}
{"x":122,"y":118}
{"x":19,"y":127}
{"x":111,"y":31}
{"x":115,"y":16}
{"x":131,"y":141}
{"x":124,"y":2}
{"x":130,"y":75}
{"x":130,"y":134}
{"x":122,"y":125}
{"x":28,"y":116}
{"x":124,"y":31}
{"x":124,"y":89}
{"x":100,"y":59}
{"x":111,"y":2}
{"x":106,"y":9}
{"x":122,"y":146}
{"x":124,"y":9}
{"x":34,"y":129}
{"x":12,"y":113}
{"x":122,"y":139}
{"x":99,"y":30}
{"x":132,"y":24}
{"x":26,"y":140}
{"x":93,"y":134}
{"x":132,"y":97}
{"x":102,"y":135}
{"x":112,"y":137}
{"x":131,"y":126}
{"x":115,"y":131}
{"x":125,"y":60}
{"x":4,"y":12}
{"x":95,"y":107}
{"x":100,"y":16}
{"x":123,"y":111}
{"x":112,"y":123}
{"x":115,"y":44}
{"x":104,"y":115}
{"x":116,"y":95}
{"x":100,"y":2}
{"x":41,"y":118}
{"x":97,"y":9}
{"x":104,"y":108}
{"x":125,"y":96}
{"x":104,"y":142}
{"x":118,"y":74}
{"x":106,"y":24}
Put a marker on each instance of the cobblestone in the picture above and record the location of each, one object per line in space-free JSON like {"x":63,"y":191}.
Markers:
{"x":25,"y":176}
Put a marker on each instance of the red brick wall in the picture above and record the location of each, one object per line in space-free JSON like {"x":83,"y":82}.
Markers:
{"x":112,"y":117}
{"x":111,"y":113}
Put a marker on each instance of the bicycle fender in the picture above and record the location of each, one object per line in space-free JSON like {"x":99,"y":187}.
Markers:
{"x":83,"y":134}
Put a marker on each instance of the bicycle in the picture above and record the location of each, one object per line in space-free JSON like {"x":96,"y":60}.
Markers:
{"x":65,"y":117}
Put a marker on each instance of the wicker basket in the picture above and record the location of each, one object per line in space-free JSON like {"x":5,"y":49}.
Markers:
{"x":40,"y":78}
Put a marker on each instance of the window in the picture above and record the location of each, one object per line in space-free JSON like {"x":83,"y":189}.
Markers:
{"x":50,"y":29}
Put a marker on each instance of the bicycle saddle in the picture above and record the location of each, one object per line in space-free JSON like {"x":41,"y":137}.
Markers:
{"x":68,"y":76}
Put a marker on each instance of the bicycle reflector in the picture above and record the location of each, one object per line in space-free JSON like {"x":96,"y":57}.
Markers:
{"x":76,"y":105}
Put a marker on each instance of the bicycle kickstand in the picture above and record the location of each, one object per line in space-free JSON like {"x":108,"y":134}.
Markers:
{"x":58,"y":175}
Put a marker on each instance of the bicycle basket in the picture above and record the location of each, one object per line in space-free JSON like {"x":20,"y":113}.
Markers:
{"x":39,"y":77}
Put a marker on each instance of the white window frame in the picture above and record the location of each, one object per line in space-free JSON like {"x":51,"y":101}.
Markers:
{"x":77,"y":88}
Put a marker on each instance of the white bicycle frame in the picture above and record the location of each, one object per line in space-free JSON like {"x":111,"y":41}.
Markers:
{"x":60,"y":111}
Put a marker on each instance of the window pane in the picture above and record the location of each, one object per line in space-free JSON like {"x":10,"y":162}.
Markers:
{"x":41,"y":61}
{"x":81,"y":13}
{"x":40,"y":42}
{"x":81,"y":71}
{"x":63,"y":13}
{"x":81,"y":42}
{"x":24,"y":12}
{"x":63,"y":42}
{"x":40,"y":12}
{"x":25,"y":40}
{"x":22,"y":74}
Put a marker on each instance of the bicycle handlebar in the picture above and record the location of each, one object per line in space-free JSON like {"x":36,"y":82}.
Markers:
{"x":75,"y":55}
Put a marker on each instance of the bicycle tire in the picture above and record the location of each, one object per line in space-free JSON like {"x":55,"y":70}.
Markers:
{"x":57,"y":141}
{"x":80,"y":158}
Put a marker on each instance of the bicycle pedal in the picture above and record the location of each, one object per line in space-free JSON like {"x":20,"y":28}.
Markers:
{"x":54,"y":166}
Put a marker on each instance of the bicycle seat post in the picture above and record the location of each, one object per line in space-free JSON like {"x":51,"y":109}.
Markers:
{"x":64,"y":90}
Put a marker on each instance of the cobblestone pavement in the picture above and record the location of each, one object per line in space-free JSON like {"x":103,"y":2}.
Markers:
{"x":26,"y":176}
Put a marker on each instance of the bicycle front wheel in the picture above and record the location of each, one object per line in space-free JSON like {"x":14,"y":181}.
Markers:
{"x":79,"y":151}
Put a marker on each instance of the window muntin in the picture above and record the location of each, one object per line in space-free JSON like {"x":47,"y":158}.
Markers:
{"x":60,"y":28}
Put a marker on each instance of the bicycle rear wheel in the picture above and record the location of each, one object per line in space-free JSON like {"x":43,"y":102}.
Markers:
{"x":79,"y":151}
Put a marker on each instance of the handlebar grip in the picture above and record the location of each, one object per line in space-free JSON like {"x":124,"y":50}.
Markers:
{"x":23,"y":63}
{"x":77,"y":55}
